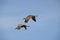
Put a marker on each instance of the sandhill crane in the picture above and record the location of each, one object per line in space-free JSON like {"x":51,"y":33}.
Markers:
{"x":21,"y":26}
{"x":33,"y":17}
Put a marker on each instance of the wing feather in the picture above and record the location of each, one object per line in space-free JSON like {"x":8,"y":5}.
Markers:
{"x":34,"y":18}
{"x":28,"y":18}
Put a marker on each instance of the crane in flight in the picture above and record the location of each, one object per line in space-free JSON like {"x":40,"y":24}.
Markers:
{"x":19,"y":26}
{"x":33,"y":17}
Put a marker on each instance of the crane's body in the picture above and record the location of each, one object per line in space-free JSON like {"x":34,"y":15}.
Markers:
{"x":19,"y":26}
{"x":30,"y":17}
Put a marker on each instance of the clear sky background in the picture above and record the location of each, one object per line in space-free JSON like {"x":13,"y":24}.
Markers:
{"x":47,"y":26}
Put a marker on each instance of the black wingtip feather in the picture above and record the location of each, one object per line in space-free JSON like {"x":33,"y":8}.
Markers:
{"x":33,"y":18}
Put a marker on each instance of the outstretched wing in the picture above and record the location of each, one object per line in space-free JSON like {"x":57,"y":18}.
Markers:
{"x":34,"y":18}
{"x":27,"y":18}
{"x":18,"y":26}
{"x":25,"y":26}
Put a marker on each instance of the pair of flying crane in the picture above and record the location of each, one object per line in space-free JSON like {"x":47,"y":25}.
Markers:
{"x":33,"y":17}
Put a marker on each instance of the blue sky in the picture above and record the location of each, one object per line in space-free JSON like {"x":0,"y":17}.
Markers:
{"x":46,"y":28}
